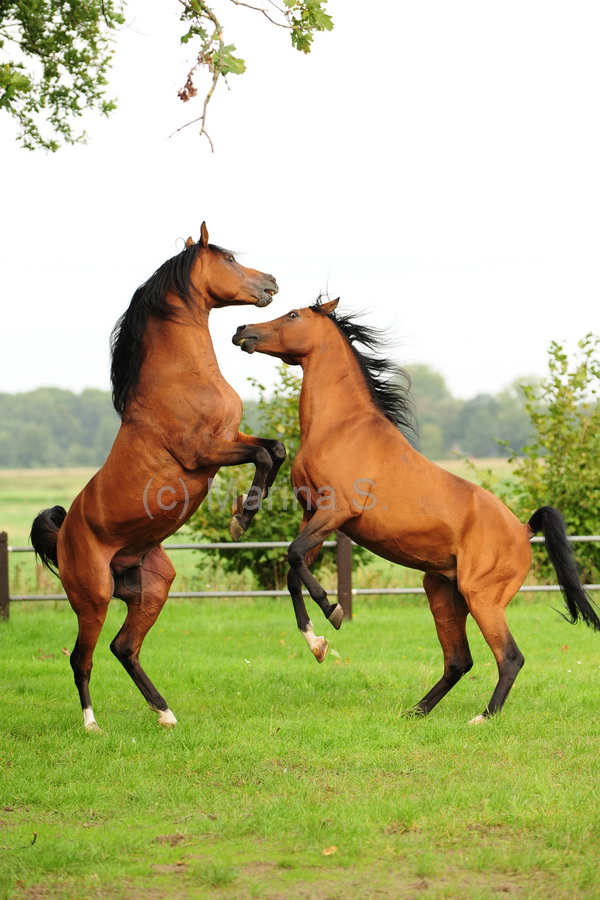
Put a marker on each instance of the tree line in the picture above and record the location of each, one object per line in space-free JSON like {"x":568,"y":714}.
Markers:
{"x":51,"y":427}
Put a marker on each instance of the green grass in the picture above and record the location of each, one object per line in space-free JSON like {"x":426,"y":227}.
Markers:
{"x":277,"y":760}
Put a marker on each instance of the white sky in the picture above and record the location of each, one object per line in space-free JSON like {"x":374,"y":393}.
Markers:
{"x":437,"y":164}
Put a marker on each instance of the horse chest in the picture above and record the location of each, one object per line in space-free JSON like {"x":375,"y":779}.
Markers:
{"x":217,"y":409}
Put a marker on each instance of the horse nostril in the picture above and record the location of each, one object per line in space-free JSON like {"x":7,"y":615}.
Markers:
{"x":240,"y":328}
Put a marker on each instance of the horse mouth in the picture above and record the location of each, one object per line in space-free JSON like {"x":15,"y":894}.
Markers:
{"x":247,"y":344}
{"x":265,"y":300}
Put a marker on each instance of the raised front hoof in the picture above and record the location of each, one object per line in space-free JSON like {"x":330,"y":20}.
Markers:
{"x":478,"y":720}
{"x":336,"y":617}
{"x":236,"y":528}
{"x":320,"y":649}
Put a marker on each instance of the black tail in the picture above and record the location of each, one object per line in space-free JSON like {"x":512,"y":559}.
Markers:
{"x":44,"y":533}
{"x":579,"y":603}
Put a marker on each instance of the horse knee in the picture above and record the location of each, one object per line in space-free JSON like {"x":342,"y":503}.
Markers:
{"x":457,"y":667}
{"x":122,"y":649}
{"x":514,"y":659}
{"x":278,"y":452}
{"x":295,"y":557}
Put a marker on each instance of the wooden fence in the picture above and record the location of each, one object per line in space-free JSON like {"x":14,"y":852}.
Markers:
{"x":344,"y":591}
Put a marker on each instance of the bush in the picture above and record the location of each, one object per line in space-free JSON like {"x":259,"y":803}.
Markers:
{"x":561,"y":465}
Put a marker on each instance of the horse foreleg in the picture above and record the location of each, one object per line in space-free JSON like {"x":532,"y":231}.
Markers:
{"x":450,"y":615}
{"x":301,"y":554}
{"x":217,"y":452}
{"x":318,"y":645}
{"x":247,"y":505}
{"x":145,"y":590}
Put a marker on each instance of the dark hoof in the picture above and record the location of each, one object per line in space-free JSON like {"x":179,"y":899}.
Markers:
{"x":336,"y":616}
{"x":236,"y":528}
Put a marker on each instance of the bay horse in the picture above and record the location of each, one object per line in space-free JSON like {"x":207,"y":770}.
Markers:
{"x":179,"y":424}
{"x":355,"y":471}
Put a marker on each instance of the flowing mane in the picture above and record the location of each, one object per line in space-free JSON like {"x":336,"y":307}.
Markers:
{"x":150,"y":299}
{"x":389,"y":385}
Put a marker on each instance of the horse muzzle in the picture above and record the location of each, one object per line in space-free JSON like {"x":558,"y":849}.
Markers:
{"x":246,"y":339}
{"x":268,"y":293}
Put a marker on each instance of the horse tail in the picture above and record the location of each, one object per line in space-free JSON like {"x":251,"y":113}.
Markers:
{"x":579,"y":603}
{"x":44,"y":534}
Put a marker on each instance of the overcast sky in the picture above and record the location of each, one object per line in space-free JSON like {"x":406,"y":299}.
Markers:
{"x":435,"y":164}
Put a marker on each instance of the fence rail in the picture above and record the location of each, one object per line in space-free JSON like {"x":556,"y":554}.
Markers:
{"x":344,"y":591}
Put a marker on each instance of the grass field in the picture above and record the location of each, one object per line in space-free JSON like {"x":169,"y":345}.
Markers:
{"x":285,"y":779}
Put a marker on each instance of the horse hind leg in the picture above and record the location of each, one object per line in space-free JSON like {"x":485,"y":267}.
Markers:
{"x":90,"y":606}
{"x":145,"y":590}
{"x":491,"y":619}
{"x":450,"y":612}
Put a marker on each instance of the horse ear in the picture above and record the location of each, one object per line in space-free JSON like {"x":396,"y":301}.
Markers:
{"x":327,"y":308}
{"x":189,"y":243}
{"x":203,"y":236}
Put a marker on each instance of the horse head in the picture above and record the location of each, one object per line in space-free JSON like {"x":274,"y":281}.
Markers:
{"x":222,"y":280}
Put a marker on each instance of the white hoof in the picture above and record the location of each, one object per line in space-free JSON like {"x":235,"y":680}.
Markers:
{"x":89,"y":722}
{"x":320,"y":649}
{"x":93,"y":728}
{"x":318,"y":645}
{"x":165,"y":717}
{"x":477,"y":720}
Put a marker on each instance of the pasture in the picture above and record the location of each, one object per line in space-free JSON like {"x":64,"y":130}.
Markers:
{"x":286,"y":779}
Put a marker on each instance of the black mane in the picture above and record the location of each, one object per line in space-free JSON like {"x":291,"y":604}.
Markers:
{"x":389,"y":385}
{"x":149,"y":299}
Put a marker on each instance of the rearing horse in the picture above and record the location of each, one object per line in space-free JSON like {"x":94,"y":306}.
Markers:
{"x":355,"y":471}
{"x":180,"y":421}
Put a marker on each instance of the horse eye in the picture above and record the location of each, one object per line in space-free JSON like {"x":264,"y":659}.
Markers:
{"x":231,"y":258}
{"x":293,"y":315}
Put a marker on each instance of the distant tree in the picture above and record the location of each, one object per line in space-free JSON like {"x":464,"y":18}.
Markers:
{"x":33,"y":445}
{"x":54,"y":427}
{"x":477,"y":423}
{"x":436,"y":409}
{"x":59,"y":55}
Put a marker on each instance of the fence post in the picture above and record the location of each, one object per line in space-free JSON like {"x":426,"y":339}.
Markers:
{"x":4,"y":595}
{"x":344,"y":573}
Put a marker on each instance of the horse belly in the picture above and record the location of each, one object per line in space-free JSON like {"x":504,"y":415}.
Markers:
{"x":423,"y":550}
{"x":142,"y":507}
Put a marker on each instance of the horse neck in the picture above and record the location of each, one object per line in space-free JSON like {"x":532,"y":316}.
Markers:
{"x":333,"y":387}
{"x":178,"y":349}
